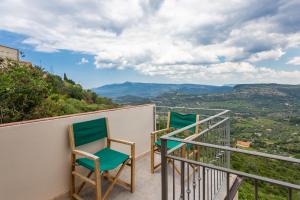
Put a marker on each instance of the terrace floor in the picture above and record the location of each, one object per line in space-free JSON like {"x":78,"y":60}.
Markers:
{"x":148,"y":186}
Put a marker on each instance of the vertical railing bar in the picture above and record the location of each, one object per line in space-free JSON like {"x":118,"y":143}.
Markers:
{"x":289,"y":193}
{"x":256,"y":189}
{"x":217,"y":179}
{"x":214,"y":182}
{"x":228,"y":143}
{"x":204,"y":140}
{"x":211,"y":183}
{"x":182,"y":195}
{"x":225,"y":143}
{"x":199,"y":177}
{"x":211,"y":173}
{"x":194,"y":175}
{"x":221,"y":174}
{"x":203,"y":182}
{"x":219,"y":164}
{"x":173,"y":162}
{"x":207,"y":183}
{"x":188,"y":174}
{"x":214,"y":172}
{"x":154,"y":118}
{"x":164,"y":170}
{"x":228,"y":185}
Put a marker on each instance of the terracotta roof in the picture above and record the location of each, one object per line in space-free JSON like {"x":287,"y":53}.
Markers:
{"x":243,"y":144}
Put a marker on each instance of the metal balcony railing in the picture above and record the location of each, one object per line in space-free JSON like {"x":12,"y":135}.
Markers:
{"x":205,"y":168}
{"x":215,"y":127}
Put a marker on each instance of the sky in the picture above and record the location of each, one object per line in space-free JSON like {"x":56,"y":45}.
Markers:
{"x":215,"y":42}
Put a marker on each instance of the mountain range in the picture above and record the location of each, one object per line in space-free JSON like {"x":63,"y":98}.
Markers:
{"x":147,"y":90}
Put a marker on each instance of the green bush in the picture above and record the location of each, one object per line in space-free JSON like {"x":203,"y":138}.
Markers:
{"x":29,"y":92}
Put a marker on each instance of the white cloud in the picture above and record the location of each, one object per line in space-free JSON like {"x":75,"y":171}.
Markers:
{"x":83,"y":61}
{"x":266,"y":55}
{"x":172,"y":38}
{"x":228,"y":72}
{"x":294,"y":61}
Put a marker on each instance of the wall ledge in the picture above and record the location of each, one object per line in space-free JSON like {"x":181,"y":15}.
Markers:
{"x":71,"y":115}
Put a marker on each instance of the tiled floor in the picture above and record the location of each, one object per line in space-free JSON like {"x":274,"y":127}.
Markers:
{"x":148,"y":186}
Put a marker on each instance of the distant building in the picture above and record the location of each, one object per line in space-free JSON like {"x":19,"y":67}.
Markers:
{"x":243,"y":144}
{"x":8,"y":52}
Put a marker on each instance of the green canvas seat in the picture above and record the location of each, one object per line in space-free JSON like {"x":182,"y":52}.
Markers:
{"x":171,"y":144}
{"x":179,"y":120}
{"x":109,"y":160}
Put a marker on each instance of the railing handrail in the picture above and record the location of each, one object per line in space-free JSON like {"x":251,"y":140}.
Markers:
{"x":195,"y":124}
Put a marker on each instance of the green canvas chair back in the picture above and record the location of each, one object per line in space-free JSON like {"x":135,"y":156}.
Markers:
{"x":89,"y":131}
{"x":178,"y":120}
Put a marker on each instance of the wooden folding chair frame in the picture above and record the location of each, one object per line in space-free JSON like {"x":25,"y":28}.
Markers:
{"x":156,"y":149}
{"x":97,"y":180}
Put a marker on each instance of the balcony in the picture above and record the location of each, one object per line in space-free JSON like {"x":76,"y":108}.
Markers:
{"x":35,"y":157}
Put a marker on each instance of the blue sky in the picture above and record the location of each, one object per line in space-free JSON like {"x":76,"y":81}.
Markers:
{"x":66,"y":61}
{"x":167,"y":41}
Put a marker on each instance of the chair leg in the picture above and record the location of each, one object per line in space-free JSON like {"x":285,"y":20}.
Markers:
{"x":83,"y":184}
{"x":98,"y":181}
{"x":152,"y":154}
{"x":72,"y":176}
{"x":114,"y":181}
{"x":132,"y":167}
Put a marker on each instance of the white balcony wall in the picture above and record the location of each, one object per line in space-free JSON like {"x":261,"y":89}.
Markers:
{"x":35,"y":155}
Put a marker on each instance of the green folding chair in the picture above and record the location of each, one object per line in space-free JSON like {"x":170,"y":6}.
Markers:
{"x":101,"y":162}
{"x":175,"y":121}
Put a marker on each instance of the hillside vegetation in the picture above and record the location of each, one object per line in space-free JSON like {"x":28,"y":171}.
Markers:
{"x":29,"y":92}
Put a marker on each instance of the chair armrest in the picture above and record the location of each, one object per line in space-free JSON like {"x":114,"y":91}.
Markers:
{"x":131,"y":144}
{"x":159,"y":131}
{"x":85,"y":154}
{"x":122,"y":141}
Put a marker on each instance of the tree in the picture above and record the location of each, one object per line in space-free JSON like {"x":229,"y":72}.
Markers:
{"x":22,"y":88}
{"x":68,"y":80}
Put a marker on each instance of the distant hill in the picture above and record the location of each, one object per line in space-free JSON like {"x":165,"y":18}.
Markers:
{"x":147,"y":90}
{"x":132,"y":100}
{"x":252,"y":99}
{"x":292,"y":91}
{"x":265,"y":99}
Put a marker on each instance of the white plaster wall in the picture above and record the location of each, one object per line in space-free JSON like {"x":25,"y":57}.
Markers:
{"x":7,"y":52}
{"x":35,"y":155}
